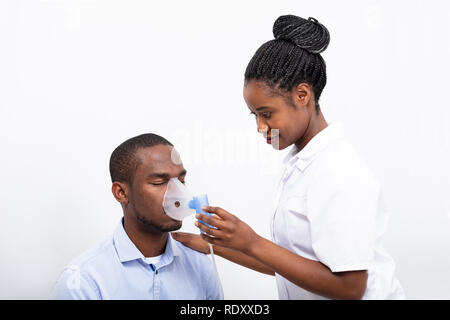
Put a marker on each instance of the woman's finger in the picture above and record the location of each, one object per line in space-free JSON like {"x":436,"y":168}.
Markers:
{"x":211,"y":220}
{"x":193,"y":241}
{"x":209,"y":231}
{"x":211,"y":240}
{"x":218,"y":211}
{"x":181,"y":237}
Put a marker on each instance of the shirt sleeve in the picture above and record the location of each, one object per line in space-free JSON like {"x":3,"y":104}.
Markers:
{"x":341,"y":212}
{"x":74,"y":284}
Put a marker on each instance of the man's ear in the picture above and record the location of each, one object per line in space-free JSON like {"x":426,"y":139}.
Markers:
{"x":120,"y":191}
{"x":303,"y":95}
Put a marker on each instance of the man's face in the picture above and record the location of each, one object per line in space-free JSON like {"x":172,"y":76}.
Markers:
{"x":157,"y":165}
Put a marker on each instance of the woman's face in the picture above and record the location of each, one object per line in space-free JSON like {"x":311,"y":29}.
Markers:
{"x":282,"y":118}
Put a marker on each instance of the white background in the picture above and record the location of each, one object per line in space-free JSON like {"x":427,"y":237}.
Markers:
{"x":79,"y":77}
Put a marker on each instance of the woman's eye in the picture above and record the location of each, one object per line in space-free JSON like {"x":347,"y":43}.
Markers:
{"x":266,"y":115}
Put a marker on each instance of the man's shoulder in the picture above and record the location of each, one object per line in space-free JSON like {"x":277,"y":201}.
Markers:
{"x":97,"y":256}
{"x":78,"y":278}
{"x":189,"y":254}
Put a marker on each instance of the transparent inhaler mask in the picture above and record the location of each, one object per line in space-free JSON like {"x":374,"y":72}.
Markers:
{"x":176,"y":200}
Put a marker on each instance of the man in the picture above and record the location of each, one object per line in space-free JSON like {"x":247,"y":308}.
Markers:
{"x":141,"y":260}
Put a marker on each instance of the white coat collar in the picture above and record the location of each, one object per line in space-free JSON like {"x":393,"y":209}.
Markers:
{"x":301,"y":159}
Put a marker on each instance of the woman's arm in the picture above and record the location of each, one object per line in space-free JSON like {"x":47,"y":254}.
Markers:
{"x":311,"y":275}
{"x":195,"y":242}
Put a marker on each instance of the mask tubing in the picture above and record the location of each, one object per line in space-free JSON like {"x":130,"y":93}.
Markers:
{"x":211,"y":250}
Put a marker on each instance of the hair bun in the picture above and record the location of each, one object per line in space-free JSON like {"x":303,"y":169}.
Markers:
{"x":306,"y":34}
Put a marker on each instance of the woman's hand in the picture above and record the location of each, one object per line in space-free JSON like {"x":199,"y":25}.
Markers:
{"x":193,"y":241}
{"x":257,"y":253}
{"x":229,"y":231}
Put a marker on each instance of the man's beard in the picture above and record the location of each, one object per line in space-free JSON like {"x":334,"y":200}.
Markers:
{"x":150,"y":226}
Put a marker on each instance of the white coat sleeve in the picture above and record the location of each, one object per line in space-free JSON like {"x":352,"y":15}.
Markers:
{"x":341,"y":211}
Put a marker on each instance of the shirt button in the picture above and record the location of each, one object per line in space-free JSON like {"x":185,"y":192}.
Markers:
{"x":156,"y":271}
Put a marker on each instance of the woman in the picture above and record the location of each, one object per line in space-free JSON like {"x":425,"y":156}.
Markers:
{"x":330,"y":215}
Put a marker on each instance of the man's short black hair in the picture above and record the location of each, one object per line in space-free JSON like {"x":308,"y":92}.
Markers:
{"x":123,"y":162}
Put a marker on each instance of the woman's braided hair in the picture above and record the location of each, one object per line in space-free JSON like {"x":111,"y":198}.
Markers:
{"x":293,"y":56}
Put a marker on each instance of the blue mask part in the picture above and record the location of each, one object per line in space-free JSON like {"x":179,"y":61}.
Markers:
{"x":197,"y":203}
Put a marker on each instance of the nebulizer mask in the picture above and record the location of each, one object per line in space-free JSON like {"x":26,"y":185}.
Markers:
{"x":179,"y":203}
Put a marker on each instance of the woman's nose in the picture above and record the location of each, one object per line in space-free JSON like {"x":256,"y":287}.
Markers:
{"x":262,"y":126}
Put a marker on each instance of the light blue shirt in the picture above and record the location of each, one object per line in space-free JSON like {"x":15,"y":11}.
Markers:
{"x":116,"y":269}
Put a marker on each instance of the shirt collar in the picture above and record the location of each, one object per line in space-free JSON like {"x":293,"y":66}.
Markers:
{"x":301,"y":159}
{"x":127,"y":251}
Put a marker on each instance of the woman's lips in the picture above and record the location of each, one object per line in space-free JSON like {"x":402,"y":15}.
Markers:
{"x":270,"y":138}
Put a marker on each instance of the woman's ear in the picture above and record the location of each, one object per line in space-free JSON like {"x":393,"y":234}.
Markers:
{"x":303,"y":95}
{"x":120,"y":191}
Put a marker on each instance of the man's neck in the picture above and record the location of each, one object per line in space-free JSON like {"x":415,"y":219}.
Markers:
{"x":150,"y":244}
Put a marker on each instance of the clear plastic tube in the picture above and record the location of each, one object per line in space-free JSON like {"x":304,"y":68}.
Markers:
{"x":211,"y":250}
